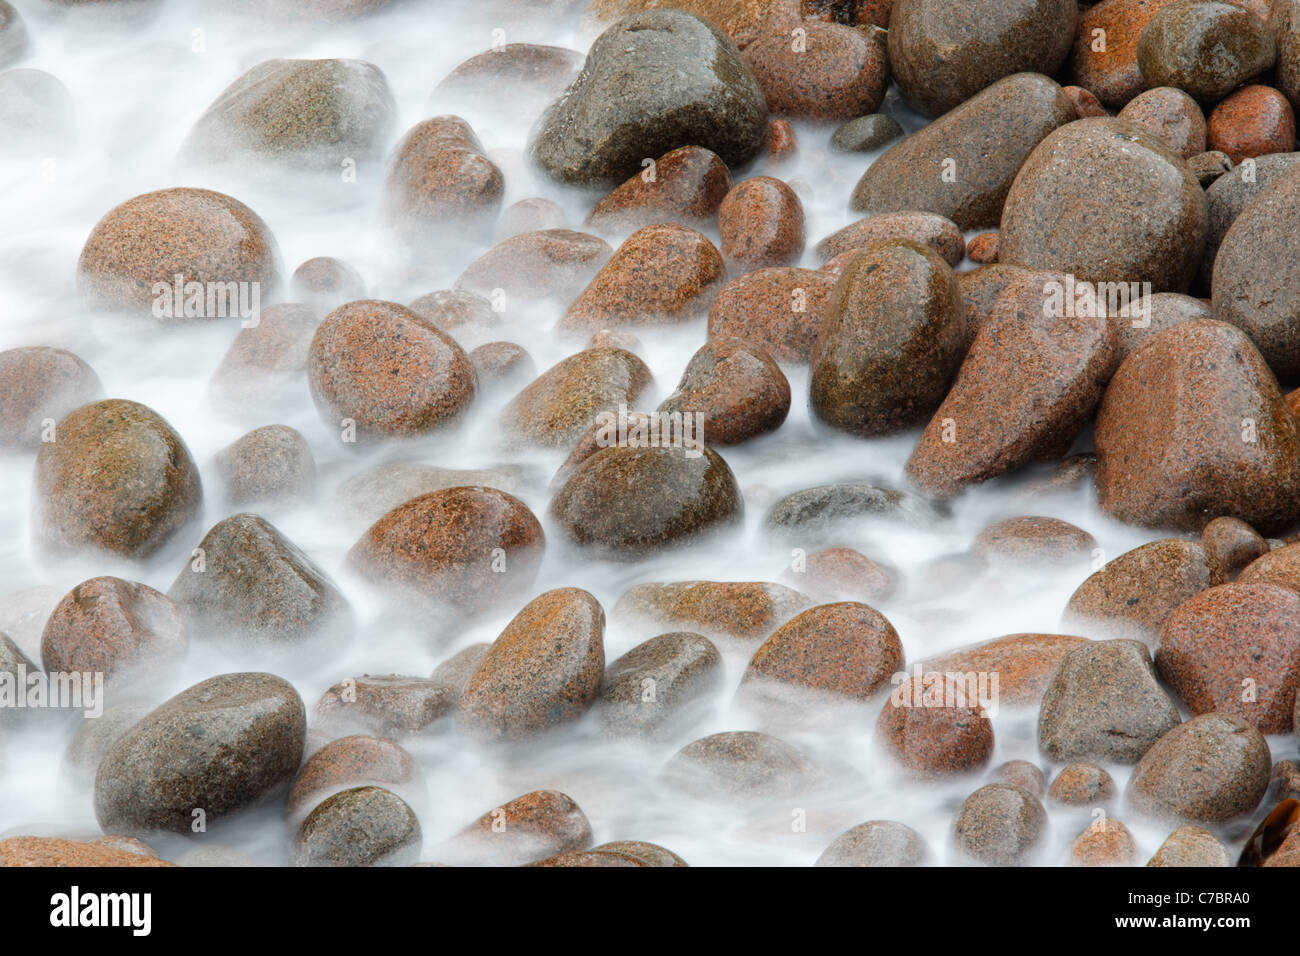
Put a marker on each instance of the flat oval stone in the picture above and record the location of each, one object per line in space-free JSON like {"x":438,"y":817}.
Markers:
{"x":685,"y":186}
{"x":38,"y":386}
{"x":301,"y":114}
{"x":1077,"y":221}
{"x":543,"y":670}
{"x":391,"y":705}
{"x":1030,"y":382}
{"x":220,"y":746}
{"x":943,"y":53}
{"x":1204,"y":47}
{"x":249,"y":583}
{"x":566,"y":399}
{"x":832,"y":512}
{"x":842,"y":574}
{"x":524,"y":75}
{"x":892,"y":340}
{"x":551,"y":263}
{"x":1173,"y":434}
{"x":1033,"y":539}
{"x":1000,"y":825}
{"x":660,"y":275}
{"x":833,"y":72}
{"x":1255,"y":286}
{"x":961,"y":166}
{"x":876,"y":843}
{"x":1104,"y":704}
{"x":358,"y":760}
{"x":118,"y":478}
{"x":722,"y":609}
{"x":779,"y":309}
{"x":866,"y":134}
{"x":134,"y":254}
{"x":682,"y":493}
{"x":1235,"y":649}
{"x":847,"y":648}
{"x":738,"y":389}
{"x":652,"y":82}
{"x":440,"y":549}
{"x":923,"y":228}
{"x":108,"y":625}
{"x":660,"y":686}
{"x":362,"y":826}
{"x":387,"y":370}
{"x":1212,"y":769}
{"x":1133,"y":594}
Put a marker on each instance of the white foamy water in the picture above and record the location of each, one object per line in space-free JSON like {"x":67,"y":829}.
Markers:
{"x":138,"y":91}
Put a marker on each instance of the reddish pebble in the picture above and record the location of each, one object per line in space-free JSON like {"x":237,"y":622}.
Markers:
{"x":761,"y":223}
{"x":983,"y":248}
{"x":1254,"y":121}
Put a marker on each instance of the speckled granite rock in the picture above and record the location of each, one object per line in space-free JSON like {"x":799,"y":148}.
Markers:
{"x":891,"y":342}
{"x":371,"y":494}
{"x":543,"y":670}
{"x":1031,"y":380}
{"x":109,"y":625}
{"x":362,"y":826}
{"x":932,"y":727}
{"x":443,"y":550}
{"x":841,"y":574}
{"x":1106,"y":842}
{"x":1032,"y":539}
{"x":1024,"y":663}
{"x":720,"y":609}
{"x":397,"y":706}
{"x":1105,"y":704}
{"x":551,"y":263}
{"x":439,"y":179}
{"x":357,"y":760}
{"x":847,"y":648}
{"x":52,"y":851}
{"x":38,"y":386}
{"x":778,"y":309}
{"x":566,"y":399}
{"x":1211,"y":769}
{"x":1000,"y":825}
{"x":1152,"y":314}
{"x":1255,"y":294}
{"x":685,"y":186}
{"x":1191,"y":846}
{"x":942,"y":54}
{"x":660,"y":686}
{"x":837,"y":71}
{"x":962,"y":165}
{"x":742,"y":765}
{"x":838,"y":513}
{"x":876,"y":843}
{"x":1171,"y":116}
{"x":1174,"y":434}
{"x":117,"y":478}
{"x":1205,"y":47}
{"x":742,"y":20}
{"x":502,"y":365}
{"x":1133,"y":594}
{"x":272,"y":464}
{"x":529,"y":215}
{"x":524,"y":76}
{"x":761,"y":222}
{"x":1077,"y":222}
{"x":1230,"y":194}
{"x":681,"y":78}
{"x":135,"y":252}
{"x":866,"y":134}
{"x":1232,"y":544}
{"x":738,"y":388}
{"x":1082,"y":785}
{"x":326,"y":283}
{"x":1209,"y":167}
{"x":1279,"y":566}
{"x":1254,"y":121}
{"x":1106,"y":64}
{"x":530,"y":827}
{"x":682,"y":493}
{"x":388,"y":371}
{"x":923,"y":228}
{"x":302,"y":114}
{"x":660,"y":275}
{"x":250,"y":583}
{"x":1235,"y":649}
{"x":220,"y":746}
